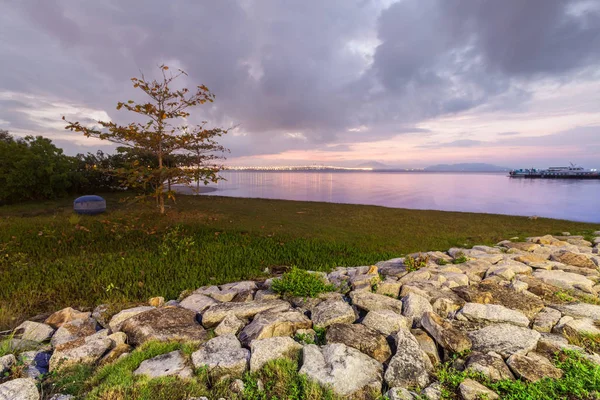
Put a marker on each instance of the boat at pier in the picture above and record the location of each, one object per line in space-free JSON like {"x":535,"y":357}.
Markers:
{"x":570,"y":172}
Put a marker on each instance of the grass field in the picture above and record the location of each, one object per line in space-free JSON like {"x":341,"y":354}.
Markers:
{"x":51,"y":258}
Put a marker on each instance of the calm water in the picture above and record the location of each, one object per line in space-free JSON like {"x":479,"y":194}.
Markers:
{"x":475,"y":192}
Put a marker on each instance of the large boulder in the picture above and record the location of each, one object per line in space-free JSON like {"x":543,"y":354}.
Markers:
{"x":230,"y":325}
{"x":504,"y":339}
{"x":268,"y":324}
{"x":574,"y":259}
{"x":331,"y":312}
{"x":162,"y":324}
{"x":445,"y":334}
{"x":546,"y":319}
{"x":35,"y":362}
{"x":223,"y":357}
{"x":385,"y":322}
{"x":491,"y":365}
{"x":346,"y":370}
{"x":533,"y":367}
{"x":428,"y":345}
{"x":34,"y":331}
{"x":216,"y":313}
{"x":73,"y":330}
{"x":491,"y":313}
{"x":81,"y":351}
{"x":117,"y":320}
{"x":408,"y":367}
{"x":473,"y":390}
{"x":579,"y":310}
{"x":169,"y":364}
{"x":265,"y":350}
{"x":373,"y":302}
{"x":362,"y":338}
{"x":197,"y":303}
{"x":19,"y":389}
{"x":68,"y":314}
{"x":414,"y":306}
{"x":565,"y":280}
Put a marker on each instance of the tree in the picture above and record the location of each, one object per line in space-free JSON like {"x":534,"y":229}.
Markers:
{"x":174,"y":147}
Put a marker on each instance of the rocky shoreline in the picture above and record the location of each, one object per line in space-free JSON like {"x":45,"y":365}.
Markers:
{"x":503,"y":311}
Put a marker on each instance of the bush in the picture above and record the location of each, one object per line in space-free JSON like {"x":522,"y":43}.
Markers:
{"x":298,"y":282}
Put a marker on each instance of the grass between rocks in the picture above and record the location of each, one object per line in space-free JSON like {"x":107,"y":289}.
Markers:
{"x":51,"y":258}
{"x":581,"y":381}
{"x":299,"y":282}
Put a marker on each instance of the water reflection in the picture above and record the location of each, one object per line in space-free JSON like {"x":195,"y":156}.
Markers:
{"x":481,"y":192}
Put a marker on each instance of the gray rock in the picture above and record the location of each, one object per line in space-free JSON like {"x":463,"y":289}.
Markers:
{"x":163,"y":324}
{"x":101,"y":315}
{"x":472,"y":390}
{"x":6,"y":363}
{"x":407,"y":367}
{"x":19,"y":389}
{"x":169,"y":364}
{"x":576,"y":328}
{"x":73,"y":330}
{"x":385,"y":321}
{"x":414,"y":306}
{"x":504,"y":339}
{"x":223,"y":357}
{"x":197,"y":303}
{"x":237,"y":386}
{"x":546,"y":319}
{"x":375,"y":302}
{"x":34,"y":331}
{"x":216,"y":313}
{"x":362,"y":338}
{"x":36,"y":363}
{"x":79,"y":352}
{"x":265,"y":350}
{"x":117,"y":320}
{"x":268,"y":324}
{"x":445,"y":334}
{"x":533,"y":367}
{"x":62,"y":397}
{"x":565,"y":280}
{"x":399,"y":393}
{"x":68,"y":314}
{"x":428,"y":346}
{"x":346,"y":370}
{"x":332,"y":312}
{"x":266,"y":295}
{"x":579,"y":310}
{"x":230,"y":325}
{"x":389,"y":287}
{"x":242,"y":286}
{"x":433,"y":391}
{"x":491,"y":365}
{"x":492,"y":313}
{"x":574,"y":259}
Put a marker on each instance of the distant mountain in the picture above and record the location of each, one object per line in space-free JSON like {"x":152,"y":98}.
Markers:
{"x":374,"y":165}
{"x":466,"y":167}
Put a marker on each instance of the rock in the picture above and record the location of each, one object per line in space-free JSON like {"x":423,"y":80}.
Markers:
{"x":115,"y":353}
{"x":268,"y":324}
{"x":216,"y":313}
{"x":491,"y":365}
{"x":433,"y":391}
{"x":492,"y":313}
{"x":389,"y":287}
{"x":385,"y":321}
{"x":576,"y":328}
{"x":265,"y":350}
{"x":473,"y":294}
{"x":533,"y":367}
{"x":79,"y":352}
{"x":102,"y":315}
{"x":523,"y":246}
{"x":407,"y":367}
{"x":223,"y":356}
{"x":550,"y":345}
{"x":237,"y":386}
{"x":373,"y":302}
{"x":577,"y":260}
{"x":197,"y":303}
{"x":445,"y":334}
{"x":428,"y":346}
{"x":163,"y":324}
{"x":565,"y":280}
{"x":6,"y":363}
{"x":230,"y":325}
{"x":156,"y":302}
{"x":346,"y":370}
{"x":579,"y":310}
{"x":34,"y":331}
{"x":414,"y":306}
{"x":266,"y":295}
{"x":472,"y":390}
{"x":332,"y":312}
{"x":362,"y":338}
{"x":36,"y":363}
{"x":117,"y":320}
{"x":224,"y":296}
{"x":399,"y":393}
{"x":62,"y":397}
{"x":68,"y":314}
{"x":242,"y":286}
{"x":169,"y":364}
{"x":531,"y":259}
{"x":504,"y":339}
{"x":73,"y":330}
{"x":546,"y":319}
{"x":19,"y":389}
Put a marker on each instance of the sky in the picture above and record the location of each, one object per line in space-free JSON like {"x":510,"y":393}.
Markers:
{"x":408,"y":83}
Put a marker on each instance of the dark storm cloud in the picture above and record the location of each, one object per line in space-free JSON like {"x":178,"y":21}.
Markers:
{"x":297,"y":74}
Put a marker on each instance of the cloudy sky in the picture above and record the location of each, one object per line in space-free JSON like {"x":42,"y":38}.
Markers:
{"x":408,"y":83}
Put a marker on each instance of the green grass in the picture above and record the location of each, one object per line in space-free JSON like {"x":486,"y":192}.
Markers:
{"x":581,"y":381}
{"x":50,"y":258}
{"x":299,"y":282}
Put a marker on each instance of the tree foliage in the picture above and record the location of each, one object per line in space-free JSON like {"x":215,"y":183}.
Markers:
{"x":182,"y":153}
